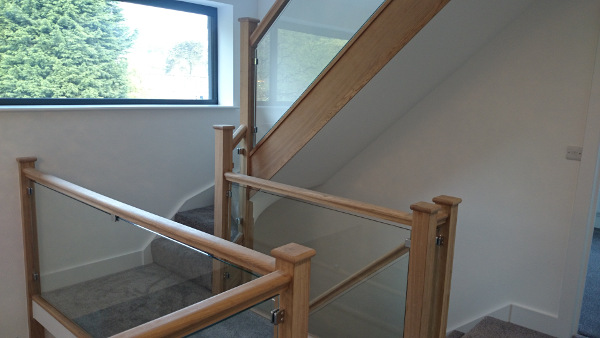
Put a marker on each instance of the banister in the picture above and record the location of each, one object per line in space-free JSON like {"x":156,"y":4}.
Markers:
{"x":219,"y":247}
{"x":200,"y":315}
{"x":356,"y":278}
{"x":267,"y":22}
{"x":238,"y":135}
{"x":323,"y":198}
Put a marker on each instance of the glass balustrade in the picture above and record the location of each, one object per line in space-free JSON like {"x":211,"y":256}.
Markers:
{"x":346,"y":245}
{"x":297,"y":48}
{"x":108,"y":275}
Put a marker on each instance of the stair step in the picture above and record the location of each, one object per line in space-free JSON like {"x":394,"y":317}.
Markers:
{"x":202,"y":219}
{"x":492,"y":327}
{"x":182,"y":260}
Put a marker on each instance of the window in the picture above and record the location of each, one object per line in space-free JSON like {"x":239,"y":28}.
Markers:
{"x":107,"y":52}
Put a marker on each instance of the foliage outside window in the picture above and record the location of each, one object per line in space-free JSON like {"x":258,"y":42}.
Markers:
{"x":107,"y":52}
{"x":291,"y":58}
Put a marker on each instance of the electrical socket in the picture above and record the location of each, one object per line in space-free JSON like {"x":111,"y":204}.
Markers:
{"x":574,"y":153}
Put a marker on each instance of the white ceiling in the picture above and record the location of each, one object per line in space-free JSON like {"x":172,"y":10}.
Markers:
{"x":447,"y":42}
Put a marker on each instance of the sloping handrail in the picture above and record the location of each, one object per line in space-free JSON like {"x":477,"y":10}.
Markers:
{"x":267,"y":22}
{"x":324,"y":199}
{"x":219,"y":247}
{"x":357,"y":278}
{"x":285,"y":274}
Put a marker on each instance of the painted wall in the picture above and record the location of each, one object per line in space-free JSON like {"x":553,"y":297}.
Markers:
{"x":153,"y":158}
{"x":495,"y":134}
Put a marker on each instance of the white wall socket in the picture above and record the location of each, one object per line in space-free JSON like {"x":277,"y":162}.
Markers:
{"x":574,"y":153}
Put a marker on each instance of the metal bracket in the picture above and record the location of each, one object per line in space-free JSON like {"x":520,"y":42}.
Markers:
{"x":29,"y":191}
{"x":241,"y":151}
{"x":226,"y":275}
{"x":228,"y":193}
{"x":36,"y":276}
{"x":255,"y":61}
{"x":115,"y":218}
{"x":239,"y":221}
{"x":277,"y":316}
{"x":439,"y":240}
{"x":254,"y":130}
{"x":407,"y":242}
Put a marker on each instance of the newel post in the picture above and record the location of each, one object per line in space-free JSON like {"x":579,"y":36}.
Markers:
{"x":294,"y":260}
{"x":444,"y":261}
{"x":30,"y":242}
{"x":419,"y":293}
{"x":222,"y":228}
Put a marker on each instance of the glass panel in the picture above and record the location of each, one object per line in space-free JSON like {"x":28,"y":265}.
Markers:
{"x":111,"y":276}
{"x":297,"y":48}
{"x":251,"y":323}
{"x":382,"y":300}
{"x":345,"y":243}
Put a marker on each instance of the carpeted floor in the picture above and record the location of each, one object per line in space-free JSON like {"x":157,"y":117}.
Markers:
{"x":589,"y":321}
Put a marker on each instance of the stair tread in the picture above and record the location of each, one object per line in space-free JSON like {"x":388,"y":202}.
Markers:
{"x":492,"y":327}
{"x":200,"y":218}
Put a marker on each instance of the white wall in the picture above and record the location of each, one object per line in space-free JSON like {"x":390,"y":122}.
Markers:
{"x":495,"y":134}
{"x":153,"y":158}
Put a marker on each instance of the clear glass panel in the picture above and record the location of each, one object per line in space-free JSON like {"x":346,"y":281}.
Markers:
{"x":297,"y":48}
{"x":382,"y":300}
{"x":111,"y":276}
{"x":345,"y":244}
{"x":254,"y":322}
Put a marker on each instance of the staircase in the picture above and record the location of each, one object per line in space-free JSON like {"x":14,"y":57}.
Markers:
{"x":177,"y":277}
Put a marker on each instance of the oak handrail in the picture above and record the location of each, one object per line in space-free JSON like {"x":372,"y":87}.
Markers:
{"x":357,"y":278}
{"x":238,"y":135}
{"x":267,"y":22}
{"x":200,"y":315}
{"x":323,"y":198}
{"x":236,"y":254}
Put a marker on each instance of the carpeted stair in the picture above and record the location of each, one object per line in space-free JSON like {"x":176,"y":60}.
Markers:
{"x":178,"y":277}
{"x":492,"y":327}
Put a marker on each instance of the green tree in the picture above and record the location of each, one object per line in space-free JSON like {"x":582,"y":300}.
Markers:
{"x":63,"y":49}
{"x":186,"y":55}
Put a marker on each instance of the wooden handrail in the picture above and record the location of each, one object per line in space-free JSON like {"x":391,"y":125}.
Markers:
{"x":323,"y":198}
{"x":358,"y":277}
{"x":75,"y":329}
{"x":198,"y":316}
{"x":238,"y":135}
{"x":267,"y":22}
{"x":236,"y":254}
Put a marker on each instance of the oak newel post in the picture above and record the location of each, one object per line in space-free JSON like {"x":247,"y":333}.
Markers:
{"x":30,"y":242}
{"x":223,"y":164}
{"x":419,"y":295}
{"x":294,"y":260}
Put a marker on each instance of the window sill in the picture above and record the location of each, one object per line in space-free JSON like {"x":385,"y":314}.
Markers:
{"x":112,"y":107}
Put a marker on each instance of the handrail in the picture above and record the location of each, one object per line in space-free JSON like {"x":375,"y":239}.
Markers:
{"x":200,"y":315}
{"x":267,"y":22}
{"x":356,"y":278}
{"x":238,"y":135}
{"x":219,"y":247}
{"x":323,"y":198}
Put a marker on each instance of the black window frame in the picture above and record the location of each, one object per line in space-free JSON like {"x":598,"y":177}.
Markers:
{"x":210,"y":12}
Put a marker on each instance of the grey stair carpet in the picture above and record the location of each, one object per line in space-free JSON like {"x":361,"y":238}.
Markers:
{"x":117,"y":302}
{"x":202,"y":219}
{"x":455,"y":334}
{"x":492,"y":327}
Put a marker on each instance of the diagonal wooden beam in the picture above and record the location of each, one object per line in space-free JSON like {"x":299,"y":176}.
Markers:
{"x":394,"y":24}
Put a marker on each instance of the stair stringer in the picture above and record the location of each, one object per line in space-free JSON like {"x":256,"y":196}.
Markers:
{"x":380,"y":39}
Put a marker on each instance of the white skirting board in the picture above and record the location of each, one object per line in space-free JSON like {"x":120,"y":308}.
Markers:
{"x":520,"y":315}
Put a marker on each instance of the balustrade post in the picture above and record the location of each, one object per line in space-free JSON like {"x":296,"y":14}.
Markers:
{"x":222,"y":227}
{"x":294,"y":260}
{"x":419,"y":293}
{"x":30,"y":242}
{"x":444,"y":261}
